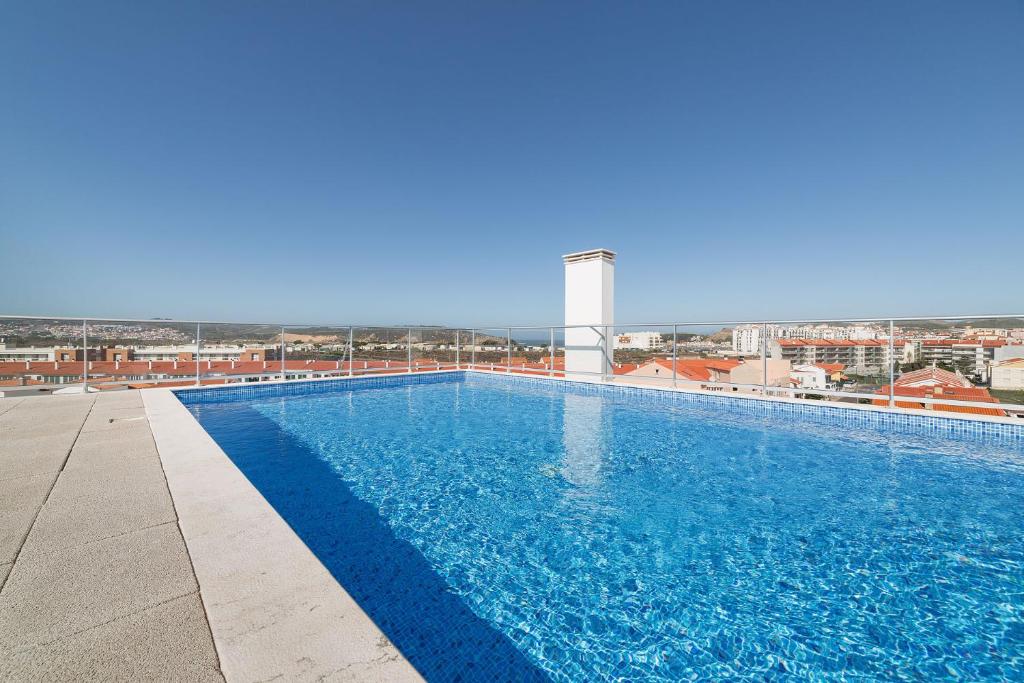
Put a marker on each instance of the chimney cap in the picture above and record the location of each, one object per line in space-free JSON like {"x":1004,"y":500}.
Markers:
{"x":589,"y":255}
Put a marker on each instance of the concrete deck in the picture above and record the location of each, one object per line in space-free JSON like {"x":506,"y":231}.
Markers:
{"x":111,"y":506}
{"x":95,"y":578}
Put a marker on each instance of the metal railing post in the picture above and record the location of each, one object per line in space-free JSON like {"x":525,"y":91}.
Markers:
{"x":351,"y":350}
{"x":472,"y":349}
{"x":675,"y":331}
{"x":551,"y":366}
{"x":408,"y":346}
{"x":509,"y":367}
{"x":764,"y":359}
{"x":85,"y":356}
{"x":198,"y":350}
{"x":892,"y":366}
{"x":605,"y":353}
{"x":457,"y":350}
{"x":283,"y":345}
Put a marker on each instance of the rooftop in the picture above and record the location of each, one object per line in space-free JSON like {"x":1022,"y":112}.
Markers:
{"x":122,"y":507}
{"x":117,"y":508}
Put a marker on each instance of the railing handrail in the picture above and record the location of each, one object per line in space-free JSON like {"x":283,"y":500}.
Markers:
{"x":891,"y":396}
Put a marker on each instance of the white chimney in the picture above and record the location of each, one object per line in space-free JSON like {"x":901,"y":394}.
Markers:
{"x":590,"y":301}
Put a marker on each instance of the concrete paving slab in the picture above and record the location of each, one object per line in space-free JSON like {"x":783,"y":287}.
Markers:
{"x":20,"y":500}
{"x":126,"y":453}
{"x":51,"y":409}
{"x":5,"y":569}
{"x":24,"y":457}
{"x":90,"y":503}
{"x":34,"y":424}
{"x":117,"y":433}
{"x":274,"y":610}
{"x":23,"y":419}
{"x":8,"y":403}
{"x":105,"y":418}
{"x":122,"y":399}
{"x":170,"y":641}
{"x":53,"y":595}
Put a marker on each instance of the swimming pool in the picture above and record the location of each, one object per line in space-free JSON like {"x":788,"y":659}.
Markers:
{"x":501,"y":529}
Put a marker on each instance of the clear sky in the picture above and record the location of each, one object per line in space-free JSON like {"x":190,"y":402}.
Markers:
{"x":418,"y":162}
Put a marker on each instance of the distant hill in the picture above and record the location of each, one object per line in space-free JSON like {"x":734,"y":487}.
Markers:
{"x":975,"y":322}
{"x":997,"y":322}
{"x":723,"y":335}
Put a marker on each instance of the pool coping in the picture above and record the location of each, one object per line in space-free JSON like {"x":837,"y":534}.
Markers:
{"x":274,"y":610}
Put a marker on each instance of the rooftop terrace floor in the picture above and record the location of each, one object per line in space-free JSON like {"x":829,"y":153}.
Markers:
{"x":120,"y":560}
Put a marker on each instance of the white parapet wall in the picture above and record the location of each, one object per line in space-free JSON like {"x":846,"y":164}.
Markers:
{"x":589,"y":300}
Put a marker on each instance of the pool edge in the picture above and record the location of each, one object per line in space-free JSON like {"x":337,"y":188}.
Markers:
{"x":273,"y":608}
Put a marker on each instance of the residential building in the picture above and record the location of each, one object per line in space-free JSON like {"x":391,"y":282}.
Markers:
{"x":746,"y":339}
{"x":1009,"y":352}
{"x":860,"y":357}
{"x":186,"y":352}
{"x":1009,"y":375}
{"x":123,"y":354}
{"x":709,"y":372}
{"x":25,"y":353}
{"x":646,"y":341}
{"x":826,"y":331}
{"x":970,"y":356}
{"x":826,"y":376}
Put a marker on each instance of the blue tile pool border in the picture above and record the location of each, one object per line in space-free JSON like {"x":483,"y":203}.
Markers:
{"x":250,"y":390}
{"x":826,"y":413}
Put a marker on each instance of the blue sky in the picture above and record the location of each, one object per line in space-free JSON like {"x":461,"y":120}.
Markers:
{"x":430,"y":162}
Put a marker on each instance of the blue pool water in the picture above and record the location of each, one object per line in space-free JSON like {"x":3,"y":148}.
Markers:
{"x":500,"y":531}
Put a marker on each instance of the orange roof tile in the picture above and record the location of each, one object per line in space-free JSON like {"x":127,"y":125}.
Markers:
{"x":973,"y":394}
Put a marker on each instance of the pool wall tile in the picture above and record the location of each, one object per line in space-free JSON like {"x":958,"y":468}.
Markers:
{"x":252,"y":390}
{"x":831,"y":414}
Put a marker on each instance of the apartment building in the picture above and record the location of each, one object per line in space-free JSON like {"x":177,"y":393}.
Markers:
{"x":124,"y":354}
{"x":970,"y":356}
{"x":860,"y":357}
{"x":746,"y":339}
{"x":644,"y":341}
{"x":11,"y":354}
{"x":186,"y":352}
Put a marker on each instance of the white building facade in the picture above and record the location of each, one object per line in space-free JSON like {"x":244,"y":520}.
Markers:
{"x":645,"y":341}
{"x":1008,"y":375}
{"x":746,"y":339}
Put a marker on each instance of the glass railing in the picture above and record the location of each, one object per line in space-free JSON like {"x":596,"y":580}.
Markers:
{"x":963,"y":364}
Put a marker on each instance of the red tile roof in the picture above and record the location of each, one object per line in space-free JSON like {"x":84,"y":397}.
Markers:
{"x":938,"y":375}
{"x":831,"y":368}
{"x":974,"y":394}
{"x":695,"y":369}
